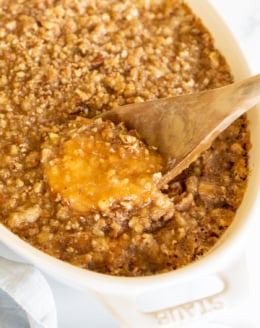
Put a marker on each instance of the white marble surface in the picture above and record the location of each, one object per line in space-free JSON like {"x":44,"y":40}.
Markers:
{"x":243,"y":18}
{"x":79,"y":309}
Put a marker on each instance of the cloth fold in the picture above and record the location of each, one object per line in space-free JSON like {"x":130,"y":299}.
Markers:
{"x":26,"y":300}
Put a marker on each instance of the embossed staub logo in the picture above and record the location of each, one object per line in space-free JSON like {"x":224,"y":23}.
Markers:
{"x":188,"y":311}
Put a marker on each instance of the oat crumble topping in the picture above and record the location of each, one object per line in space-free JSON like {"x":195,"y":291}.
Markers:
{"x":62,"y":60}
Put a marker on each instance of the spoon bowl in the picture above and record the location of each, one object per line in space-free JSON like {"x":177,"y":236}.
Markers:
{"x":182,"y":127}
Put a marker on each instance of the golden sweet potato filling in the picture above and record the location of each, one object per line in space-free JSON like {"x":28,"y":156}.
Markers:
{"x":99,"y":166}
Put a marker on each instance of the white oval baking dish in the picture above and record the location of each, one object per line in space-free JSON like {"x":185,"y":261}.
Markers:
{"x":124,"y":295}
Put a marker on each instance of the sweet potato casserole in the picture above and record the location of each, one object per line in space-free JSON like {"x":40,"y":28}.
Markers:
{"x":86,"y":190}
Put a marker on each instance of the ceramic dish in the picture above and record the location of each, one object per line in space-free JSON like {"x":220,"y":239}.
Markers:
{"x":127,"y":298}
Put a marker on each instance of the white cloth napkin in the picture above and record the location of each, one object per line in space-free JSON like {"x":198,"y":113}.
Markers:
{"x":26,"y":300}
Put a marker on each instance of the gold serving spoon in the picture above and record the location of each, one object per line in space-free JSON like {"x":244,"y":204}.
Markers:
{"x":183,"y":127}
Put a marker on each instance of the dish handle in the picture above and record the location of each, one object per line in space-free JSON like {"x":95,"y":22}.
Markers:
{"x":181,"y":305}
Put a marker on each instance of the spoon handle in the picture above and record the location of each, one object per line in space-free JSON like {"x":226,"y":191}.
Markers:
{"x":235,"y":99}
{"x":206,"y":115}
